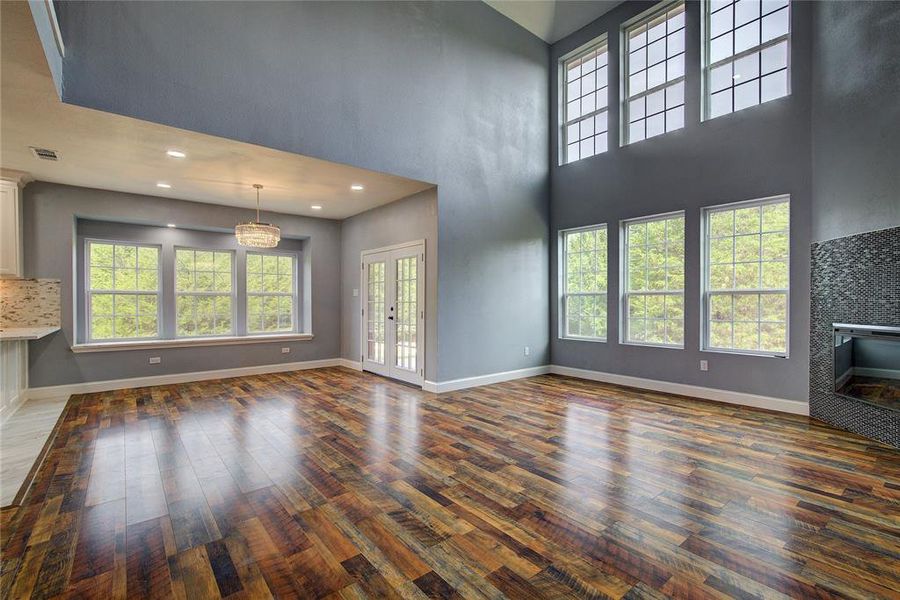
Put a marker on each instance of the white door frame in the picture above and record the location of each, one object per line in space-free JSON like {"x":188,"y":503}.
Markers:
{"x":418,"y":377}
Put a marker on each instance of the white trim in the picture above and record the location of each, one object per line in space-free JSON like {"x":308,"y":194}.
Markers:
{"x":54,"y":26}
{"x":872,"y":372}
{"x":88,"y":387}
{"x":15,"y":404}
{"x":470,"y":382}
{"x":393,"y":247}
{"x":796,"y":407}
{"x":192,"y":342}
{"x":351,"y":364}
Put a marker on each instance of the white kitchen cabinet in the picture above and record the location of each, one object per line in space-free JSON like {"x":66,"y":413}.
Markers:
{"x":10,"y":229}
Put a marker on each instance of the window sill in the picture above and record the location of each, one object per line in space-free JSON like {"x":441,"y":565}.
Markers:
{"x":574,"y":338}
{"x":191,"y":342}
{"x":649,"y":345}
{"x":744,"y":353}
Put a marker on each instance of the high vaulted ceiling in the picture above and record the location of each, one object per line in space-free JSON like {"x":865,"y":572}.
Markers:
{"x":552,"y":20}
{"x":113,"y":152}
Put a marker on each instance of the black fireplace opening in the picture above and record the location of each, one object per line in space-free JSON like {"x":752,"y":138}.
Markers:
{"x":867,"y":364}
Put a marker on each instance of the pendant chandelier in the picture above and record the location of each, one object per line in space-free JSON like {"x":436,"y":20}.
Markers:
{"x":255,"y":234}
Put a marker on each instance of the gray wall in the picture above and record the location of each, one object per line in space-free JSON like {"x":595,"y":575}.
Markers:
{"x":758,"y":152}
{"x":50,"y":213}
{"x":413,"y":218}
{"x":448,"y":92}
{"x":856,"y":117}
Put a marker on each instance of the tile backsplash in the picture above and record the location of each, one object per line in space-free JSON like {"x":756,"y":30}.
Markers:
{"x":29,"y":303}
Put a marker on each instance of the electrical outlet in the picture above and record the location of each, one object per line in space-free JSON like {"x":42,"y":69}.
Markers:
{"x":155,"y":360}
{"x":527,"y":350}
{"x":704,"y":365}
{"x":355,"y":292}
{"x":285,"y":350}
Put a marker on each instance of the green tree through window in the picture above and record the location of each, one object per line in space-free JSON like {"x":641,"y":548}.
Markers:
{"x":122,"y":291}
{"x":585,"y":282}
{"x":747,"y":277}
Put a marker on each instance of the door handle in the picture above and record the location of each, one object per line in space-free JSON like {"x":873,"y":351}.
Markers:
{"x":391,"y":317}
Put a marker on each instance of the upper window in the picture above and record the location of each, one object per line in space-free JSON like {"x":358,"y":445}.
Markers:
{"x":122,"y":291}
{"x":746,"y":54}
{"x":653,"y":268}
{"x":204,"y":303}
{"x":585,"y":88}
{"x":653,"y":63}
{"x":584,"y":256}
{"x":746,"y":277}
{"x":271,"y":292}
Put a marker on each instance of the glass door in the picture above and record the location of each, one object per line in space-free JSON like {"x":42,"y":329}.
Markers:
{"x":393,"y":312}
{"x":374,"y":314}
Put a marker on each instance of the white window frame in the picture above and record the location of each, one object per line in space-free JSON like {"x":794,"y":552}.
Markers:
{"x":624,"y":294}
{"x":704,"y":280}
{"x":89,"y":291}
{"x":295,"y":321}
{"x":563,"y":322}
{"x":625,"y":85}
{"x":592,"y":46}
{"x":706,"y":67}
{"x":178,"y":294}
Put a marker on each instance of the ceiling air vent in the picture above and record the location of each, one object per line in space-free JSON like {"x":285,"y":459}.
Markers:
{"x":44,"y":153}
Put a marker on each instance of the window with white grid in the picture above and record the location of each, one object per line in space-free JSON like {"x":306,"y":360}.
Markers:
{"x":271,"y":292}
{"x":585,"y":85}
{"x":746,"y":281}
{"x":653,"y":64}
{"x":746,"y":53}
{"x":584,"y":265}
{"x":204,"y":292}
{"x":653,"y":272}
{"x":122,"y":291}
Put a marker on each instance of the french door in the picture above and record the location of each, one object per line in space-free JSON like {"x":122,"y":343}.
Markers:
{"x":393,"y":312}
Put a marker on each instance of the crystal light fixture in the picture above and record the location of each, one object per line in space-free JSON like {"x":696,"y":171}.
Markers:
{"x":255,"y":234}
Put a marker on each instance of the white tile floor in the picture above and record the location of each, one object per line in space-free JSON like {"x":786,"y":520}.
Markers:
{"x":21,"y":438}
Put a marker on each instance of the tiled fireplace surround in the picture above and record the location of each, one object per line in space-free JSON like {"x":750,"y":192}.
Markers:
{"x":855,"y":279}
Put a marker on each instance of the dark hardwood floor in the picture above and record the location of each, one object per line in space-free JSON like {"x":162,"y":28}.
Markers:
{"x":332,"y":483}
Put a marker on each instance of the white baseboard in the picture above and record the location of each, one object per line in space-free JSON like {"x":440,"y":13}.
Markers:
{"x":469,"y":382}
{"x":89,"y":387}
{"x":796,"y":407}
{"x":351,"y":364}
{"x":12,"y":406}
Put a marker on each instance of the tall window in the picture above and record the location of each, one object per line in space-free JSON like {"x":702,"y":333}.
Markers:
{"x":270,"y":292}
{"x":746,"y":53}
{"x":122,"y":291}
{"x":203,"y":292}
{"x":584,"y":282}
{"x":653,"y":266}
{"x":585,"y":88}
{"x":746,"y":281}
{"x":653,"y":63}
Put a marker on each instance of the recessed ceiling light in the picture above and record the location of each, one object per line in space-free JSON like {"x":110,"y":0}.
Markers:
{"x":172,"y":225}
{"x":356,"y":187}
{"x":165,"y":186}
{"x":316,"y":207}
{"x":176,"y":153}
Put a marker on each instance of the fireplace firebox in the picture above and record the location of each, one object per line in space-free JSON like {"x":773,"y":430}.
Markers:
{"x":866,"y":361}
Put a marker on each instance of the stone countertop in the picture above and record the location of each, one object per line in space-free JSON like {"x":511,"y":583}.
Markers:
{"x":25,"y":333}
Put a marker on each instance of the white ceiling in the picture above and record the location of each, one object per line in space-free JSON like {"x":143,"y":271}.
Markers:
{"x":552,"y":20}
{"x":112,"y":152}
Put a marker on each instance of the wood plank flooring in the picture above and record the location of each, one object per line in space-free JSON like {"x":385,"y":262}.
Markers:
{"x":337,"y":484}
